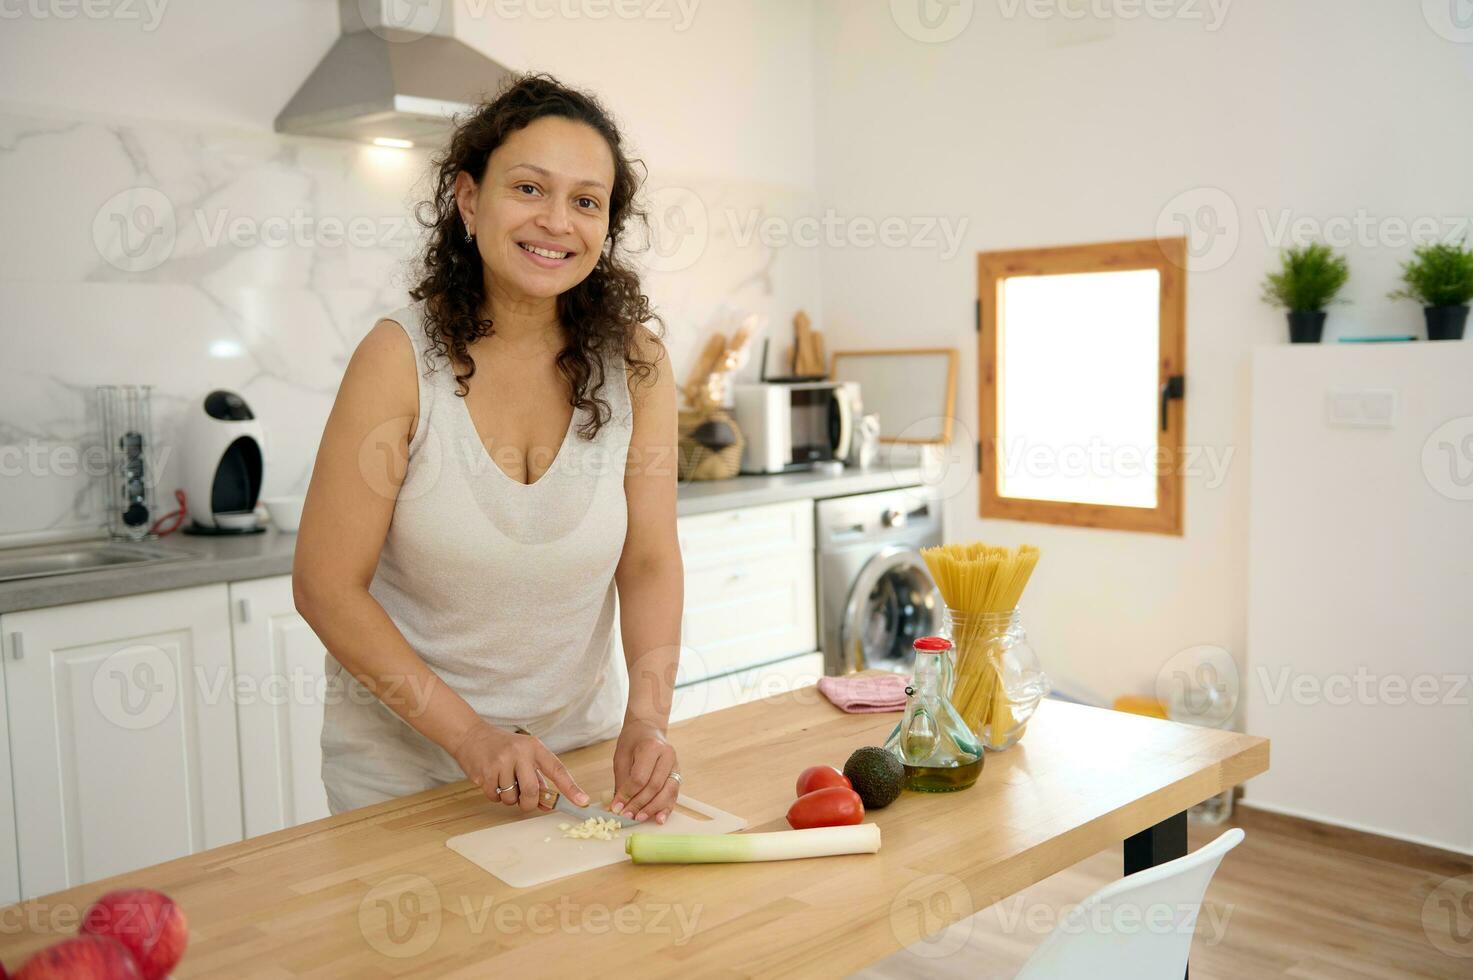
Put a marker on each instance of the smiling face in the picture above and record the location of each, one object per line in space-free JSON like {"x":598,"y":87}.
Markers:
{"x":541,"y":211}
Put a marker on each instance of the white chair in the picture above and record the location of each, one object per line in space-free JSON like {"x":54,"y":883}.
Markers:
{"x":1138,"y":928}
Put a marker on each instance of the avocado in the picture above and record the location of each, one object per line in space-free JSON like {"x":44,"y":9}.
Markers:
{"x":877,"y":776}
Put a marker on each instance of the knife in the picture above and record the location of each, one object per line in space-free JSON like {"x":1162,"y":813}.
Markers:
{"x":552,"y":799}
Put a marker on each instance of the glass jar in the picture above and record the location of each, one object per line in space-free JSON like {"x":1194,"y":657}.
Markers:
{"x":1202,"y":698}
{"x":127,"y":443}
{"x":998,"y":679}
{"x":938,"y":749}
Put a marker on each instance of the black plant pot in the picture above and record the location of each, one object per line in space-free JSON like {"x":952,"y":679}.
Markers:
{"x":1445,"y":322}
{"x":1306,"y":326}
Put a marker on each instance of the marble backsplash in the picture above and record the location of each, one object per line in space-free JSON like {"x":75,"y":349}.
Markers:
{"x":188,"y":259}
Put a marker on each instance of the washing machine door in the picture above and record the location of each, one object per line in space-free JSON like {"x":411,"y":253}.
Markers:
{"x":892,"y":602}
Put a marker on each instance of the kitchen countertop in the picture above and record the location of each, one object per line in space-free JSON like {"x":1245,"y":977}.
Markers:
{"x":234,"y":559}
{"x":753,"y":491}
{"x":375,"y":892}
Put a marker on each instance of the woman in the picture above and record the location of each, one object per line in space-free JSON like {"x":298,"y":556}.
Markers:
{"x":499,"y":461}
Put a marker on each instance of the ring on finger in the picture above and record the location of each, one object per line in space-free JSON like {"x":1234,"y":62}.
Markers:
{"x":676,"y":776}
{"x":506,"y":789}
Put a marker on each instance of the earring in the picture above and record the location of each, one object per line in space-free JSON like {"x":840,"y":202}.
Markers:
{"x":470,"y":236}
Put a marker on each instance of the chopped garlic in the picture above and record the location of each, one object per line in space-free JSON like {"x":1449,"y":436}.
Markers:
{"x":595,"y":828}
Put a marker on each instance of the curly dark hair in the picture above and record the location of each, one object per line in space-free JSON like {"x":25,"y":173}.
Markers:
{"x":602,"y":314}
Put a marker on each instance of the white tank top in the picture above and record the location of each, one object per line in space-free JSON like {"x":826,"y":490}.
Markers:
{"x":507,"y":589}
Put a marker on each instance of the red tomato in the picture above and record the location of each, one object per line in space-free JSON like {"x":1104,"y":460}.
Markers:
{"x":831,"y":806}
{"x":817,"y":777}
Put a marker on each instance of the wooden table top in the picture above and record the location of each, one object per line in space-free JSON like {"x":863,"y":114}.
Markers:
{"x":375,"y":892}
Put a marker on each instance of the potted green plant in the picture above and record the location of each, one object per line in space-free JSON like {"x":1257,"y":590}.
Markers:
{"x":1308,"y":279}
{"x":1440,"y":277}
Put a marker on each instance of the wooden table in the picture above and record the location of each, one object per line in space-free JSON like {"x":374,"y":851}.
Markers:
{"x":376,"y":893}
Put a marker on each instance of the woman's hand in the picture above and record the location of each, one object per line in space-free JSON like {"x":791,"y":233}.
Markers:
{"x":497,"y":760}
{"x":644,"y":763}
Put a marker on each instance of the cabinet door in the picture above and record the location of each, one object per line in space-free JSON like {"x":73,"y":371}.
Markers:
{"x":9,"y":861}
{"x":278,"y":665}
{"x":124,"y":750}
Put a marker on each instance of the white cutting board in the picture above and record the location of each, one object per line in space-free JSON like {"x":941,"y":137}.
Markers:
{"x":519,"y":854}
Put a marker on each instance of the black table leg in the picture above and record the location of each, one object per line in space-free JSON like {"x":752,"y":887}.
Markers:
{"x":1166,"y":841}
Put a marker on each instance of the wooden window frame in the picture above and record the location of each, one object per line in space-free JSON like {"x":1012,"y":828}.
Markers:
{"x":1168,"y":256}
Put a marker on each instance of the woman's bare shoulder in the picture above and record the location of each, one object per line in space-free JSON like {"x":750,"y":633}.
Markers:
{"x":384,"y":363}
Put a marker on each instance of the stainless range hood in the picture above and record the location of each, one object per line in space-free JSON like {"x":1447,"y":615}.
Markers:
{"x":396,"y":73}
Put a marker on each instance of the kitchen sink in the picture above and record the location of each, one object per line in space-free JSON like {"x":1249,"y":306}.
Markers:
{"x":84,"y":556}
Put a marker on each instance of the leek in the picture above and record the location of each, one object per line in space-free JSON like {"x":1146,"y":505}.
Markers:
{"x":779,"y":845}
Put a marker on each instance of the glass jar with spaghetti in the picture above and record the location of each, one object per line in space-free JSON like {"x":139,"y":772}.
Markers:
{"x":999,"y":680}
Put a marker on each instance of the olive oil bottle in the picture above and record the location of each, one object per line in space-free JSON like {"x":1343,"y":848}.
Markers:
{"x":938,"y":750}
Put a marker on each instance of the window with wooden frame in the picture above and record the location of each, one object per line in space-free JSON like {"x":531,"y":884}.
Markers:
{"x":1080,"y":382}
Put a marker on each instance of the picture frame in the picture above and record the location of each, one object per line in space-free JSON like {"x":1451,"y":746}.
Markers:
{"x":894,"y":384}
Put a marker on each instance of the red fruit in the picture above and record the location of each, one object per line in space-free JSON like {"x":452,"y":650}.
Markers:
{"x":147,"y":922}
{"x":81,"y":958}
{"x":817,"y":777}
{"x":832,"y":806}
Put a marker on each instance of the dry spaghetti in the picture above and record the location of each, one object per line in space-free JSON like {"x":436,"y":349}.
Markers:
{"x":981,"y":585}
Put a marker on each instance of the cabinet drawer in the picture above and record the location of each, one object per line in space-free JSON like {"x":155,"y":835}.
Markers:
{"x":747,"y":612}
{"x":714,"y":539}
{"x":795,"y":675}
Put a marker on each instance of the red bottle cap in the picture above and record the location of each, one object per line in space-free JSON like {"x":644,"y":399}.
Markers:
{"x":932,"y":644}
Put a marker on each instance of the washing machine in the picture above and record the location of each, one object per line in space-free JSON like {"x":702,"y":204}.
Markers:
{"x":876,"y":595}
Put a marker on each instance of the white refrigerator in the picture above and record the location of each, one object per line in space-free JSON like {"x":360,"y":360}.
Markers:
{"x":1360,"y":593}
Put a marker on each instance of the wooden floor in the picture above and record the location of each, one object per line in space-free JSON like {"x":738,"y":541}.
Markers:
{"x":1295,"y":899}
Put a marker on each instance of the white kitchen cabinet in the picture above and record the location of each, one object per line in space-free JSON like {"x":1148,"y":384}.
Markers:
{"x":9,"y":859}
{"x":750,"y":617}
{"x":1358,"y":570}
{"x":747,"y":612}
{"x":749,"y":588}
{"x":279,"y":675}
{"x":793,"y":675}
{"x":125,"y":751}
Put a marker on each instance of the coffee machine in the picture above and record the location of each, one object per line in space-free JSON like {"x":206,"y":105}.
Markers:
{"x":222,"y":465}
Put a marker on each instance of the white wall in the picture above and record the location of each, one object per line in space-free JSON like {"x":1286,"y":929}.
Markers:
{"x":1319,"y":107}
{"x":1361,"y":553}
{"x":716,"y":89}
{"x":207,"y":62}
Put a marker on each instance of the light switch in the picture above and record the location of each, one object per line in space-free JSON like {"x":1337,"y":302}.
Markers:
{"x":1361,"y":408}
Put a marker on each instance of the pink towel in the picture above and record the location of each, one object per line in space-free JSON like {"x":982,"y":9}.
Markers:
{"x":857,"y":693}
